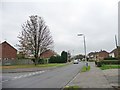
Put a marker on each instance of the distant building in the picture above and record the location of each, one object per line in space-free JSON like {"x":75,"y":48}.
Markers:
{"x":7,"y":51}
{"x":102,"y":54}
{"x":47,"y":54}
{"x":114,"y":53}
{"x":98,"y":55}
{"x":92,"y":55}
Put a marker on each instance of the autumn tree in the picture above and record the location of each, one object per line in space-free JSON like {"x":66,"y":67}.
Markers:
{"x":35,"y":37}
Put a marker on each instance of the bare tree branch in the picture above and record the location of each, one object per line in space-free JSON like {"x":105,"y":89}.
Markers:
{"x":35,"y":37}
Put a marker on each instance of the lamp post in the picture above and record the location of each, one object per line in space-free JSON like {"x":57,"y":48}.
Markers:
{"x":84,"y":47}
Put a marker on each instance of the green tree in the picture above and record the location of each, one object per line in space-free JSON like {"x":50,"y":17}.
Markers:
{"x":64,"y":57}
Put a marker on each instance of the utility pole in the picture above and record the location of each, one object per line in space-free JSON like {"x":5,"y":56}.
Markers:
{"x":116,"y":42}
{"x":86,"y":63}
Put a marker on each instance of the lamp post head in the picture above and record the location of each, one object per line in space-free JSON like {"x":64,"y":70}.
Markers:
{"x":80,"y":34}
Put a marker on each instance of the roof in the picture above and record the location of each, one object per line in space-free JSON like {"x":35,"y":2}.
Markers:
{"x":47,"y":54}
{"x":103,"y":51}
{"x":92,"y":53}
{"x":114,"y":50}
{"x":8,"y":44}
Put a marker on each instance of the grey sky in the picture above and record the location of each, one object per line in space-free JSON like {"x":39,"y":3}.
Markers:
{"x":97,"y":19}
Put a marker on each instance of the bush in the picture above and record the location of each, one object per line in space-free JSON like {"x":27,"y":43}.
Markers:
{"x":63,"y":57}
{"x":110,"y":62}
{"x":41,"y":61}
{"x":52,"y":59}
{"x":56,"y":59}
{"x":110,"y":58}
{"x":90,"y":60}
{"x":33,"y":59}
{"x":107,"y":62}
{"x":98,"y":63}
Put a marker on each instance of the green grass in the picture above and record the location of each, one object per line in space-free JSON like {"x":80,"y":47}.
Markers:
{"x":85,"y":69}
{"x":71,"y":88}
{"x":33,"y":66}
{"x":104,"y":67}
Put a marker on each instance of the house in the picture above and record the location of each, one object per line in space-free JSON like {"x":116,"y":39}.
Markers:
{"x":47,"y":54}
{"x":92,"y":55}
{"x":7,"y":51}
{"x":102,"y":54}
{"x":114,"y":53}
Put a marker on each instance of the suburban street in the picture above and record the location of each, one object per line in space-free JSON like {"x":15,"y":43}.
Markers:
{"x":56,"y":78}
{"x":62,"y":45}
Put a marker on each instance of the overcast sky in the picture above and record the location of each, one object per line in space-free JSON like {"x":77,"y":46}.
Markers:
{"x":96,"y":19}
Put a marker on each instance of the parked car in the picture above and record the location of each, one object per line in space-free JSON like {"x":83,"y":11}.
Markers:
{"x":75,"y":62}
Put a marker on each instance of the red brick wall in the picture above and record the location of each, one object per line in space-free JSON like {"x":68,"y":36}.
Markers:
{"x":8,"y":51}
{"x":103,"y":54}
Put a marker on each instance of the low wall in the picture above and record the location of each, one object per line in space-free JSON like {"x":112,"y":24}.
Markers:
{"x":16,"y":61}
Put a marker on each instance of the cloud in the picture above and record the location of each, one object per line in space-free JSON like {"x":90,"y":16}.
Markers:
{"x":97,"y":19}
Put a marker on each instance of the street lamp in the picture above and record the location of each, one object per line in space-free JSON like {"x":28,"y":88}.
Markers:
{"x":84,"y":47}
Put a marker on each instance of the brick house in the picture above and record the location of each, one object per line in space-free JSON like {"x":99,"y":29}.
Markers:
{"x":7,"y":51}
{"x":47,"y":54}
{"x":92,"y":55}
{"x":102,"y":54}
{"x":114,"y":53}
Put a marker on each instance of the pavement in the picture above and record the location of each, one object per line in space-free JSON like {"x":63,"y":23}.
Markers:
{"x":92,"y":79}
{"x":113,"y":77}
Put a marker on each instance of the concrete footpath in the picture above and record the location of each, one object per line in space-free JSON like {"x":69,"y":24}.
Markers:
{"x":92,"y":79}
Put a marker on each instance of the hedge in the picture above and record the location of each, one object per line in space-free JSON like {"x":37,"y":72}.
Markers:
{"x":110,"y":62}
{"x":98,"y":63}
{"x":107,"y":62}
{"x":90,"y":60}
{"x":40,"y":61}
{"x":56,"y":59}
{"x":110,"y":58}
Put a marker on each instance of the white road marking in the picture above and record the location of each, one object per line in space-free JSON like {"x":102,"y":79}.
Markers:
{"x":26,"y":75}
{"x":4,"y":81}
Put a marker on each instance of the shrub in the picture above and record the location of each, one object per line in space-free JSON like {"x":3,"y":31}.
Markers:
{"x":90,"y":60}
{"x":41,"y":61}
{"x":64,"y":57}
{"x":33,"y":60}
{"x":55,"y":59}
{"x":110,"y":58}
{"x":98,"y":63}
{"x":95,"y":62}
{"x":110,"y":62}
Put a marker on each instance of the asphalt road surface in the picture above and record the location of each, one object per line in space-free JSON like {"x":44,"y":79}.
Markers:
{"x":56,"y":78}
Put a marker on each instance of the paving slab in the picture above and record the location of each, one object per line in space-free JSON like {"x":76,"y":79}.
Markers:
{"x":92,"y":79}
{"x":113,"y":76}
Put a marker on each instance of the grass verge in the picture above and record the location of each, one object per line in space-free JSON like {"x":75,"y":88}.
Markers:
{"x":71,"y":88}
{"x":85,"y":69}
{"x":33,"y":66}
{"x":104,"y":67}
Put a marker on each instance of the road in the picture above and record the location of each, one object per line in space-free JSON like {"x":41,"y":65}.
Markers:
{"x":56,"y":78}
